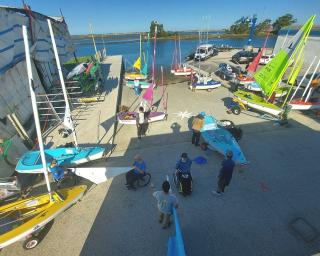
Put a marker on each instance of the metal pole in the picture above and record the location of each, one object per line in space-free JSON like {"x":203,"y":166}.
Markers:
{"x":34,"y":107}
{"x":310,"y":81}
{"x":304,"y":76}
{"x":62,"y":81}
{"x":94,"y":42}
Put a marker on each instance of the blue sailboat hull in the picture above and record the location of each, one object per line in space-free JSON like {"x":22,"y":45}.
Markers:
{"x":221,"y":140}
{"x":31,"y":162}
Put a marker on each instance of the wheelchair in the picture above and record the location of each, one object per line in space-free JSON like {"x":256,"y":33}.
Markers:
{"x":184,"y":185}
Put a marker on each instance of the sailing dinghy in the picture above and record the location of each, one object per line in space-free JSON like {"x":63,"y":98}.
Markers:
{"x":220,"y":139}
{"x":177,"y":68}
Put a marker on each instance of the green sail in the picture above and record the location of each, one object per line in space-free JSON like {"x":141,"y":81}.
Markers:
{"x":269,"y":76}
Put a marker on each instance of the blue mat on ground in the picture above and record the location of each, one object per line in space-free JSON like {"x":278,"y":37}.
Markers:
{"x":200,"y":160}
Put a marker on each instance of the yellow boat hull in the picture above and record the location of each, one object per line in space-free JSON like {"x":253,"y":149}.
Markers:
{"x":29,"y":215}
{"x":135,"y":76}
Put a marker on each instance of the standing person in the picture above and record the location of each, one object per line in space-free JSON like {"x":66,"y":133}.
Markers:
{"x":197,"y":124}
{"x":139,"y":170}
{"x":225,"y":174}
{"x":141,"y":121}
{"x":166,"y":202}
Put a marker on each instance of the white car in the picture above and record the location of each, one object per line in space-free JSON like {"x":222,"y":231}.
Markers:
{"x":264,"y":60}
{"x":205,"y":51}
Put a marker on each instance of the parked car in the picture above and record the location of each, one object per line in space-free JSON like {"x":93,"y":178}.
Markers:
{"x":243,"y":57}
{"x":205,"y":51}
{"x":227,"y":72}
{"x":264,"y":60}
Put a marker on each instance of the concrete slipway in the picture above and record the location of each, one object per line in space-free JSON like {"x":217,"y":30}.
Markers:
{"x":270,"y":208}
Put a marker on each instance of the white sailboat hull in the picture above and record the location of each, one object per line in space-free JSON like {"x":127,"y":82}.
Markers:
{"x":301,"y":105}
{"x":258,"y":107}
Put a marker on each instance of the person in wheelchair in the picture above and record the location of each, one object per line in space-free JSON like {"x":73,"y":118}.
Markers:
{"x":138,"y":171}
{"x":183,"y":174}
{"x":57,"y":171}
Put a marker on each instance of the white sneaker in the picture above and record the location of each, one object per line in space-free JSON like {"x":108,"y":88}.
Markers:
{"x":216,"y":193}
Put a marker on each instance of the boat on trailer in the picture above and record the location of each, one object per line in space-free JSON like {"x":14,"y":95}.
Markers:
{"x":256,"y":102}
{"x":204,"y":83}
{"x":220,"y":139}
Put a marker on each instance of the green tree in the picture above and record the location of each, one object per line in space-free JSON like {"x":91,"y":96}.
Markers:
{"x":160,"y":30}
{"x":263,"y":26}
{"x":283,"y":21}
{"x":241,"y":26}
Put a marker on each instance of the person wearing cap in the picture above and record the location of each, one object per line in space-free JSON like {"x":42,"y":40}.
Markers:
{"x":225,"y":173}
{"x":139,"y":169}
{"x":197,"y":124}
{"x":183,"y":166}
{"x":166,"y":202}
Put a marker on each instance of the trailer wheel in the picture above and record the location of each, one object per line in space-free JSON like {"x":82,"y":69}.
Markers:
{"x":236,"y":110}
{"x":31,"y":243}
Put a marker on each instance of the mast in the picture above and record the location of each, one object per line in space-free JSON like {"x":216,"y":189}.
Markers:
{"x":140,"y":49}
{"x":309,"y":83}
{"x":104,"y":46}
{"x":180,"y":64}
{"x":35,"y":109}
{"x":67,"y":110}
{"x":154,"y":54}
{"x":94,"y":42}
{"x":304,"y":76}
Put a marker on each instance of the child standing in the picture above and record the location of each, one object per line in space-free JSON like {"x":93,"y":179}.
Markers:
{"x":166,"y":202}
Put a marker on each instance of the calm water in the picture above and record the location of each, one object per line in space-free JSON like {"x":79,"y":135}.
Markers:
{"x":130,"y":48}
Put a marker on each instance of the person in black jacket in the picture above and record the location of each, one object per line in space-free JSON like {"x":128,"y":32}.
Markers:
{"x":225,"y":174}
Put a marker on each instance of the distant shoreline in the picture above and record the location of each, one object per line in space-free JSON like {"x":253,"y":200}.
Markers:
{"x":170,"y":37}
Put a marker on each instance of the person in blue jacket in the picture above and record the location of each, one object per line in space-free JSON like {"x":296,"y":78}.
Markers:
{"x":139,"y":170}
{"x":57,"y":171}
{"x":183,"y":166}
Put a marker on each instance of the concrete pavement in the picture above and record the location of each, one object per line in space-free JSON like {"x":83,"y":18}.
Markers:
{"x":254,"y":217}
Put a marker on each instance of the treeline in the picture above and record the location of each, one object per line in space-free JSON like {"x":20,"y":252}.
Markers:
{"x":242,"y":25}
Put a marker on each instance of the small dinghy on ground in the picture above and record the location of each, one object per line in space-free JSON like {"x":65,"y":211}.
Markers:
{"x":130,"y":117}
{"x":22,"y":218}
{"x":300,"y":104}
{"x":220,"y":139}
{"x":204,"y":84}
{"x":138,"y":84}
{"x":31,"y":162}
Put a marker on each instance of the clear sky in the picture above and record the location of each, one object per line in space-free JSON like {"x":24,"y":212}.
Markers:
{"x":111,"y":16}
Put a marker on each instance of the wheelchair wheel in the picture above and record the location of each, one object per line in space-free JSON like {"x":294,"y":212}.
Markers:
{"x":175,"y":180}
{"x":144,"y":181}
